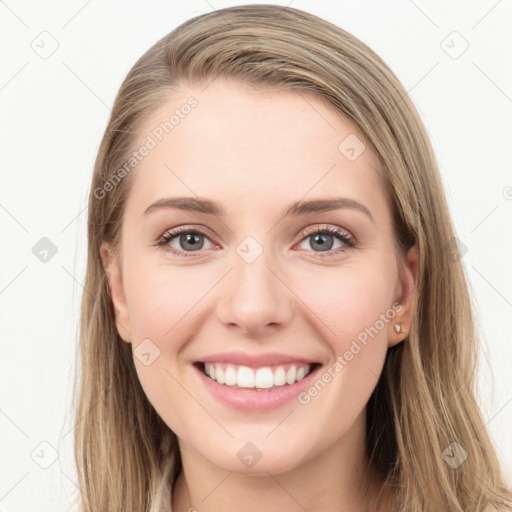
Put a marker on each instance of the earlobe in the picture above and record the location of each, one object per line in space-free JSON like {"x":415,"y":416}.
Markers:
{"x":399,"y":327}
{"x":116,"y":291}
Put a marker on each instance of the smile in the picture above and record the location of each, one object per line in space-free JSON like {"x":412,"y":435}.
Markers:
{"x":265,"y":378}
{"x":255,"y":383}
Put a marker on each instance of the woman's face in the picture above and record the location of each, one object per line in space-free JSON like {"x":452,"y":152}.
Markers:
{"x":290,"y":308}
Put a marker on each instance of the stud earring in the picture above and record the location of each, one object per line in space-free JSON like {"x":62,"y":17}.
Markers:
{"x":398,"y":329}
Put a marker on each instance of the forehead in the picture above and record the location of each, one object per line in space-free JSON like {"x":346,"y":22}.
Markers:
{"x":253,"y":143}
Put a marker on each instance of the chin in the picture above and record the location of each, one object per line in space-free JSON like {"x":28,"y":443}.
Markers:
{"x":257,"y":458}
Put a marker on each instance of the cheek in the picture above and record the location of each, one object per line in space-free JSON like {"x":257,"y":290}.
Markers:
{"x":348,"y":304}
{"x":161,"y":300}
{"x":344,"y":305}
{"x":352,"y":312}
{"x":162,"y":303}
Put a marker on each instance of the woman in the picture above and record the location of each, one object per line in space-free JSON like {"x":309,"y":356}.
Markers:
{"x":276,"y":317}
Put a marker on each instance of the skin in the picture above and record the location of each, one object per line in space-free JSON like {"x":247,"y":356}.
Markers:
{"x":256,"y":151}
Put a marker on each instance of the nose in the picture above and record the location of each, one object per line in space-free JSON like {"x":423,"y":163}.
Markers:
{"x":255,"y":297}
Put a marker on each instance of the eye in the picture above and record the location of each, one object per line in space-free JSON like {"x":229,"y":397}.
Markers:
{"x":323,"y":238}
{"x":187,"y":239}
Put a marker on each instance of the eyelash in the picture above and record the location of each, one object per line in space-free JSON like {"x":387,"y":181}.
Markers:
{"x":339,"y":233}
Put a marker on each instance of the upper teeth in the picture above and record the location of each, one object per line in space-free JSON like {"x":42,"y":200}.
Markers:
{"x":261,"y":378}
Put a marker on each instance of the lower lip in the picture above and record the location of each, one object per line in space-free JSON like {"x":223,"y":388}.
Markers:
{"x":249,"y":399}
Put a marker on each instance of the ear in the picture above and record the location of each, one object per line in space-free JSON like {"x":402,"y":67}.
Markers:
{"x":408,"y":276}
{"x":116,"y":290}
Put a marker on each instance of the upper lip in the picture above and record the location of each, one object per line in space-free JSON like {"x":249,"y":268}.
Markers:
{"x":255,"y":360}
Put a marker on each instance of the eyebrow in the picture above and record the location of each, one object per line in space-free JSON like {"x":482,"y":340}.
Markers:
{"x":209,"y":207}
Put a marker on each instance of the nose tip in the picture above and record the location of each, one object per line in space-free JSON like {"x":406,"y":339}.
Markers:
{"x":254,"y":298}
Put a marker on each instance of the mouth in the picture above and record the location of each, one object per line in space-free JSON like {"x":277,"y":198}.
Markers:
{"x":264,"y":378}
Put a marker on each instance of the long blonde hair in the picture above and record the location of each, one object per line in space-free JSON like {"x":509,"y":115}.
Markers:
{"x":127,"y":458}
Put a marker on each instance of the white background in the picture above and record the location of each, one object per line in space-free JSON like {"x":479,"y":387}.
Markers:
{"x":54,"y":111}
